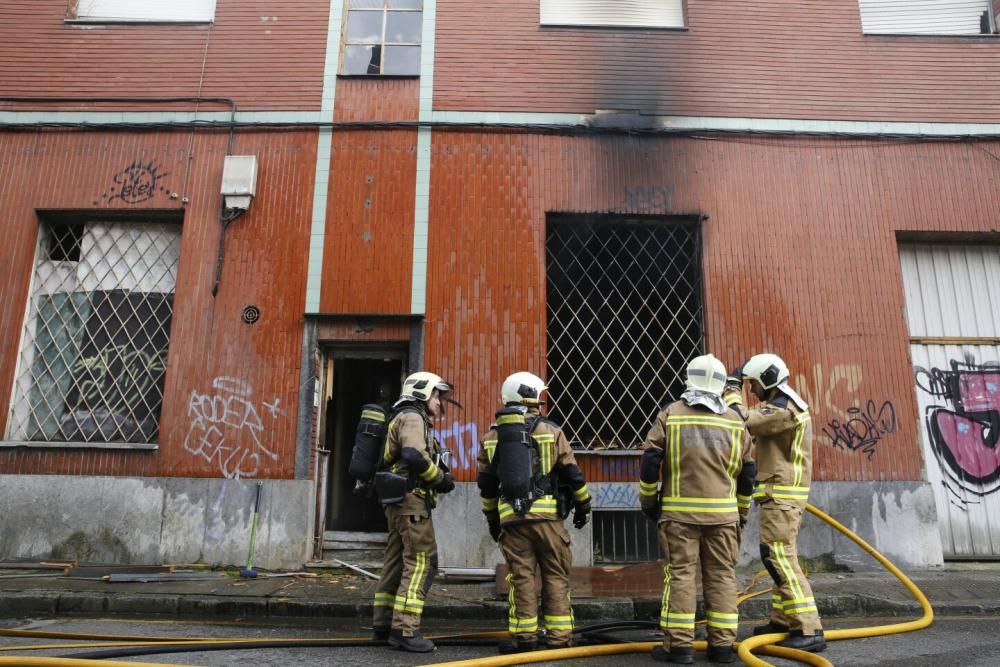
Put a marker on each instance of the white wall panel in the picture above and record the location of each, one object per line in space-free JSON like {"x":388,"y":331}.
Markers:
{"x":936,"y":17}
{"x":146,"y":10}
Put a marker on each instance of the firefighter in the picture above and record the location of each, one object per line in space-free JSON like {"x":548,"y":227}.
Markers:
{"x":782,"y":433}
{"x":695,"y":479}
{"x":528,"y":480}
{"x":414,"y":472}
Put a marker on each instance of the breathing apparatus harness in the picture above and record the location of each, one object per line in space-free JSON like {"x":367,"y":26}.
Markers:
{"x":516,"y":463}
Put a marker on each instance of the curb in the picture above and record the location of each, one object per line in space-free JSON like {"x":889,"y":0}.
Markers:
{"x":50,"y":603}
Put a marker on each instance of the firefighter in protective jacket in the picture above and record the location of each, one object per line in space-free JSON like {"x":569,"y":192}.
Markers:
{"x":528,"y":479}
{"x":782,"y":433}
{"x":695,"y":479}
{"x":413,"y":459}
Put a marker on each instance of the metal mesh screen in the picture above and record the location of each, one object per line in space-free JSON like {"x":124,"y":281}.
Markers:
{"x":624,"y":318}
{"x":625,"y":537}
{"x":94,"y":348}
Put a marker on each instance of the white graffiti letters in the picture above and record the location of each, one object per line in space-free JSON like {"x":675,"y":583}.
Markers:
{"x":464,"y":450}
{"x":226,"y":428}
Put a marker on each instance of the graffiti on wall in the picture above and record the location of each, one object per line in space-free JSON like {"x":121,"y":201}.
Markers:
{"x":864,"y":428}
{"x":462,"y":440}
{"x":227,"y":428}
{"x":964,"y":428}
{"x":134,"y":184}
{"x":820,"y":387}
{"x":615,"y":495}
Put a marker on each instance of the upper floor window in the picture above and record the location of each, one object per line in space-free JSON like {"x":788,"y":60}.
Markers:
{"x":626,"y":13}
{"x":383,"y":37}
{"x":147,"y":11}
{"x":929,"y":17}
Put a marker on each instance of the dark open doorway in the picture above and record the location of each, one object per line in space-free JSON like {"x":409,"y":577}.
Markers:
{"x":355,"y":382}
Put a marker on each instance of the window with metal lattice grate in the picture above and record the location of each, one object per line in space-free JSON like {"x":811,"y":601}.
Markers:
{"x":625,"y":537}
{"x":94,"y":348}
{"x":624,"y":318}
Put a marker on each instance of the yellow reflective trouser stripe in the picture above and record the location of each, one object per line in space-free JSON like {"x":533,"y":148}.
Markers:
{"x":665,"y":599}
{"x":558,"y":622}
{"x":374,"y":416}
{"x":411,"y":603}
{"x":781,"y":491}
{"x":384,"y":599}
{"x":723,"y":620}
{"x":786,"y":566}
{"x":515,"y":624}
{"x":489,"y":504}
{"x":430,"y":474}
{"x":683,"y":504}
{"x":582,"y":494}
{"x":648,"y":488}
{"x":680,"y":621}
{"x":776,"y":601}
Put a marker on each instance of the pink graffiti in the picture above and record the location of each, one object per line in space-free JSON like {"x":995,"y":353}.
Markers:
{"x":964,"y":434}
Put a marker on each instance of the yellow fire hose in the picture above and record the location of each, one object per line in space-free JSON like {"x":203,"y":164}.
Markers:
{"x":762,"y":644}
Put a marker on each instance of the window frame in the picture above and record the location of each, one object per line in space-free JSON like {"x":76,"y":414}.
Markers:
{"x":56,"y":218}
{"x":993,"y":9}
{"x":382,"y":44}
{"x":73,"y":17}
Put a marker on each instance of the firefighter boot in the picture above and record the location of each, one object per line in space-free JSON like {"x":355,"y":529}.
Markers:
{"x":414,"y":644}
{"x":721,"y":654}
{"x":680,"y":656}
{"x":380,"y":633}
{"x":812,"y":643}
{"x":770,"y":628}
{"x":517,"y":647}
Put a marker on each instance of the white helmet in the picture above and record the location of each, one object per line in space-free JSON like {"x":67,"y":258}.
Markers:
{"x":524,"y":388}
{"x":421,"y":385}
{"x":767,"y":369}
{"x":706,"y":373}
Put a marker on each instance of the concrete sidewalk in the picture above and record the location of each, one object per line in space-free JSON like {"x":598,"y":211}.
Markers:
{"x":955,"y":590}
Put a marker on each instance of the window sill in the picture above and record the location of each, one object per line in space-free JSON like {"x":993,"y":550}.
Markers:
{"x":32,"y":444}
{"x":607,"y":452}
{"x":929,"y":35}
{"x":97,"y":22}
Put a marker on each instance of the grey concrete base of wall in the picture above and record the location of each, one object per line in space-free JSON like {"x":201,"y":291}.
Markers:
{"x":154,"y":520}
{"x":897,"y":518}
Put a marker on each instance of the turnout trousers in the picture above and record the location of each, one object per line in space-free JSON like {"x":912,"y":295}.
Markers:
{"x":408,"y":570}
{"x":715,"y":549}
{"x":792,"y":601}
{"x":543,"y":545}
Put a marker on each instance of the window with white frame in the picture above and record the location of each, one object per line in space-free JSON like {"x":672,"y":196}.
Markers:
{"x":383,"y":37}
{"x":625,"y":13}
{"x":94,"y":348}
{"x":134,"y":11}
{"x":928,"y":17}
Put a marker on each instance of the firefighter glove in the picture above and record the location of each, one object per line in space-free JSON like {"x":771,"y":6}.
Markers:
{"x":581,"y":515}
{"x":493,"y":521}
{"x":735,"y":378}
{"x":652,"y":512}
{"x":447,"y":484}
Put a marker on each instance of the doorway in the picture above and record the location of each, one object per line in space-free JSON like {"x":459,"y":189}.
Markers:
{"x":355,"y":378}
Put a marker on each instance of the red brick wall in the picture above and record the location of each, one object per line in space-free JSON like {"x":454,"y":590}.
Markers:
{"x":772,"y":58}
{"x":275,"y":63}
{"x":799,"y":258}
{"x":265,"y":265}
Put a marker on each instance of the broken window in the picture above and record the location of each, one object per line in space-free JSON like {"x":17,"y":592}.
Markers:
{"x":383,"y":37}
{"x":624,"y":318}
{"x":94,"y":348}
